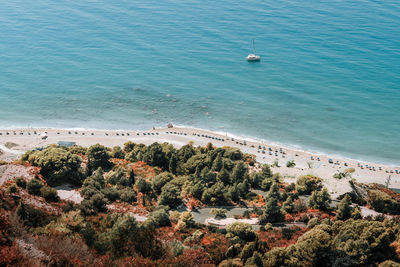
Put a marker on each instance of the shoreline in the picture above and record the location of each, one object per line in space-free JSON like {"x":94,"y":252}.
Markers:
{"x":307,"y":162}
{"x":294,"y":147}
{"x":251,"y":139}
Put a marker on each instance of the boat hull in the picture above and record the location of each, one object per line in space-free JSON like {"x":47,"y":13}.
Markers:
{"x":254,"y":58}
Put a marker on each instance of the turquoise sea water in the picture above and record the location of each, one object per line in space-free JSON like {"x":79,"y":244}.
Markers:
{"x":329,"y":79}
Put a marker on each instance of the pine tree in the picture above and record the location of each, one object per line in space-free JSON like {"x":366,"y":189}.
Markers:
{"x":173,"y":163}
{"x":287,"y":206}
{"x":266,"y":171}
{"x":274,"y":192}
{"x":197,"y":172}
{"x":131,"y":176}
{"x":223,"y":176}
{"x":272,"y":212}
{"x":255,"y":180}
{"x":217,"y":164}
{"x":320,"y":200}
{"x":238,"y":172}
{"x":209,"y":147}
{"x":344,"y":209}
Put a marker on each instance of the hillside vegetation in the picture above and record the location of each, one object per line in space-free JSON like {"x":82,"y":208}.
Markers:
{"x":138,"y":204}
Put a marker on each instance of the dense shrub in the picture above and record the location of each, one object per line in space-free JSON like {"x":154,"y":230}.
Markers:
{"x":12,"y":189}
{"x":308,"y":183}
{"x":170,"y":196}
{"x":21,"y":182}
{"x":49,"y":194}
{"x":32,"y":217}
{"x":111,"y":193}
{"x":118,"y":153}
{"x":241,"y":230}
{"x":34,"y":186}
{"x":160,"y":180}
{"x":160,"y":218}
{"x":128,"y":195}
{"x":57,"y":165}
{"x":382,"y":202}
{"x":219,"y":213}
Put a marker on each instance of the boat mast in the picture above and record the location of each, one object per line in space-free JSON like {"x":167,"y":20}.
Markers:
{"x":254,"y":49}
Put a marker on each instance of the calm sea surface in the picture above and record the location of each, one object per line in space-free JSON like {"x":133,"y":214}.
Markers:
{"x":329,"y":79}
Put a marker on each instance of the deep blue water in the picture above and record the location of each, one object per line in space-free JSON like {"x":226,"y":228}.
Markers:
{"x":329,"y":79}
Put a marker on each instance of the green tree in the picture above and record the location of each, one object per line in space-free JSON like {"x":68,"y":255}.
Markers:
{"x":131,"y":156}
{"x":155,"y":156}
{"x":21,"y":182}
{"x":123,"y":234}
{"x":160,"y":218}
{"x":118,"y":153}
{"x":255,"y":180}
{"x":98,"y":202}
{"x":217,"y":164}
{"x":247,"y":251}
{"x":128,"y":195}
{"x":143,"y":186}
{"x":219,"y":213}
{"x":93,"y":184}
{"x":209,"y":146}
{"x":131,"y":176}
{"x":185,"y":153}
{"x":197,"y":190}
{"x":234,"y":193}
{"x":30,"y":216}
{"x":255,"y":260}
{"x":308,"y":183}
{"x":160,"y":180}
{"x":241,"y":230}
{"x":111,"y":193}
{"x":129,"y":147}
{"x":274,"y":192}
{"x":58,"y":165}
{"x":170,"y":196}
{"x":320,"y":200}
{"x":186,"y":220}
{"x":314,"y":247}
{"x":98,"y":156}
{"x":365,"y":242}
{"x":265,"y":172}
{"x":215,"y":194}
{"x":239,"y":171}
{"x":223,"y":176}
{"x":288,"y":206}
{"x":115,"y":176}
{"x":344,"y":209}
{"x":272,"y":212}
{"x":173,"y":163}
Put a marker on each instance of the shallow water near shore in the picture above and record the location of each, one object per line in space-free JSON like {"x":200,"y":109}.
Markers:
{"x":329,"y":79}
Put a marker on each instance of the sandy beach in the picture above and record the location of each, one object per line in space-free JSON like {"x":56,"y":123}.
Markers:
{"x":324,"y":166}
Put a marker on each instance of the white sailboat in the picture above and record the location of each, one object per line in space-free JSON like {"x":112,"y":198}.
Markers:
{"x":253,"y":57}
